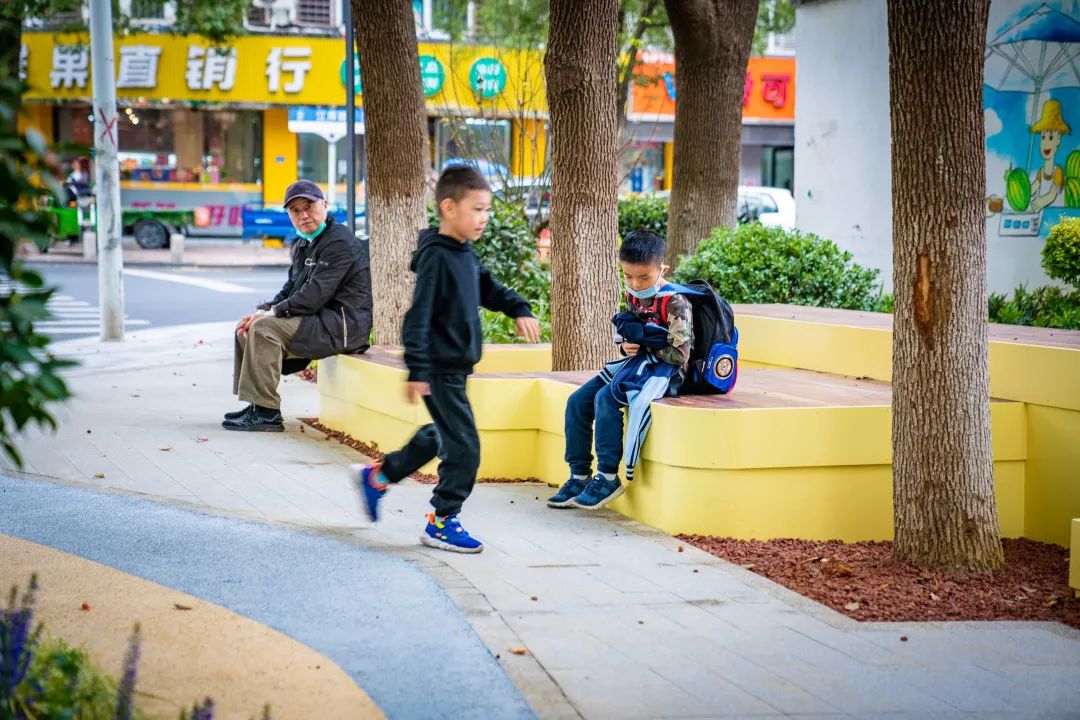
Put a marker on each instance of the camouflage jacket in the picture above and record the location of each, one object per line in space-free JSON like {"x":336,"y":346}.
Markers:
{"x":680,"y":325}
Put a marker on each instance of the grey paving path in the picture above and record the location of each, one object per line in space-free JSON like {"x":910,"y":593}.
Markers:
{"x":623,"y":624}
{"x":385,"y":623}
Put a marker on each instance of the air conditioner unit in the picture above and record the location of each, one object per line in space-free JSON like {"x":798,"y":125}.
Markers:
{"x":277,"y":12}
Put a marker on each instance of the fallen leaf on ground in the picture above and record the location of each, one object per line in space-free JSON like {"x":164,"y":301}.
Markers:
{"x":935,"y":597}
{"x":903,"y":638}
{"x":1053,"y":602}
{"x":534,"y":598}
{"x":178,"y":606}
{"x":852,"y":606}
{"x":202,"y":440}
{"x":748,"y":566}
{"x":1029,"y":591}
{"x":841,"y":570}
{"x":682,"y":549}
{"x":99,"y":476}
{"x":86,"y":606}
{"x":165,"y":449}
{"x":518,"y":650}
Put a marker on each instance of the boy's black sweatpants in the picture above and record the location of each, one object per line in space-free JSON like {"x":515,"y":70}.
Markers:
{"x":452,"y":437}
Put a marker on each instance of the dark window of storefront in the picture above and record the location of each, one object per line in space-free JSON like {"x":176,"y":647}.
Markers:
{"x":486,"y":143}
{"x":177,"y":145}
{"x":778,"y":167}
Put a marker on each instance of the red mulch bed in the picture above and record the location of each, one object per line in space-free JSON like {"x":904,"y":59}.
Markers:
{"x":372,"y":451}
{"x":863,"y":580}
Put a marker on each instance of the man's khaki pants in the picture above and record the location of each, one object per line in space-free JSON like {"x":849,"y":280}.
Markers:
{"x":258,"y":357}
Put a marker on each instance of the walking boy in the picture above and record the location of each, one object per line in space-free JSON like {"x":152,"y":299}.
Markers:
{"x":656,"y":336}
{"x":443,"y":339}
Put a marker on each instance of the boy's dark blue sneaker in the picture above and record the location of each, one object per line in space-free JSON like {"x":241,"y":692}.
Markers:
{"x":598,"y":493}
{"x":449,"y":535}
{"x":570,"y":490}
{"x":370,"y":494}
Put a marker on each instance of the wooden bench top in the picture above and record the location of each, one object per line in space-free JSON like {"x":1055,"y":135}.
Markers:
{"x":758,"y":388}
{"x":1047,"y":337}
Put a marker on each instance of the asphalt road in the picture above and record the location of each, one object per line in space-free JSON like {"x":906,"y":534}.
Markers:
{"x":155,"y":296}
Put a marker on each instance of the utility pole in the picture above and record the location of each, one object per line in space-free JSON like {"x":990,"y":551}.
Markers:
{"x":350,"y":122}
{"x":107,"y":173}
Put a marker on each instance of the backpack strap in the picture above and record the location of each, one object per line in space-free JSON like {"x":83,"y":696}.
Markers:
{"x":663,"y":309}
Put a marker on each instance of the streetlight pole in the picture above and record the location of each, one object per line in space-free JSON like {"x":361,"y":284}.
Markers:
{"x":350,"y":120}
{"x":107,"y":173}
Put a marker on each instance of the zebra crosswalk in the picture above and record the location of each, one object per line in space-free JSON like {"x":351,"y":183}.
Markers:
{"x":69,"y":316}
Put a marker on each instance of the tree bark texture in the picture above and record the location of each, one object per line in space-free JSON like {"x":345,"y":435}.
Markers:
{"x":580,"y":68}
{"x":712,"y":49}
{"x":396,"y":136}
{"x":943,"y":472}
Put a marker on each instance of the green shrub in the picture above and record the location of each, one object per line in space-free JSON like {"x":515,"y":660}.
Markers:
{"x":508,"y":249}
{"x":643,"y":213}
{"x":758,"y":264}
{"x":1048,"y":306}
{"x":1061,"y":253}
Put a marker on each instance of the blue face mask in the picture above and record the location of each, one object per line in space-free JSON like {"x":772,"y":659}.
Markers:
{"x":648,"y":292}
{"x":313,"y":235}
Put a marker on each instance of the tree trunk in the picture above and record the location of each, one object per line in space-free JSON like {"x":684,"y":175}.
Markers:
{"x":396,"y":138}
{"x":943,"y":472}
{"x":712,"y":48}
{"x":580,"y":69}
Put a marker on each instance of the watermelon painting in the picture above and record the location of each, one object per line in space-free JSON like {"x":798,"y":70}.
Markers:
{"x":1072,"y":192}
{"x":1017,"y":189}
{"x":1072,"y":166}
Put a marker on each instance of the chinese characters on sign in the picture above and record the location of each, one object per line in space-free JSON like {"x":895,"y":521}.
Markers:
{"x":138,"y":66}
{"x":487,"y":77}
{"x":70,"y":66}
{"x":209,"y":66}
{"x":293,"y":60}
{"x":432,"y":75}
{"x":774,"y":89}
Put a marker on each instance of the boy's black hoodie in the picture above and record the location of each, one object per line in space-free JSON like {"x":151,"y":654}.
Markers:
{"x":441,"y":331}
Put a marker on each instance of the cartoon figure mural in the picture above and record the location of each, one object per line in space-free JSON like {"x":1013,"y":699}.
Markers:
{"x":1031,"y":90}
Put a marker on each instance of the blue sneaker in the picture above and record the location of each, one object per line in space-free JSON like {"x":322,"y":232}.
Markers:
{"x":570,"y":490}
{"x":449,"y":535}
{"x":371,"y":495}
{"x":598,"y":493}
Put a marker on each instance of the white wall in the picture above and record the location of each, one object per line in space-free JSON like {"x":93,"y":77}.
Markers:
{"x":842,"y":139}
{"x":842,"y":163}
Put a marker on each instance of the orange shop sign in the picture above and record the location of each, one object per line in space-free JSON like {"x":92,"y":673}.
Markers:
{"x":768,"y":89}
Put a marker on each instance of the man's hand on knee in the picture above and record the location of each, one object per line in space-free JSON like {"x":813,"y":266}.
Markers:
{"x":244,"y":325}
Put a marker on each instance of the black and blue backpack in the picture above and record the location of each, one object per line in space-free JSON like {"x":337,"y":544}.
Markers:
{"x":714,"y":359}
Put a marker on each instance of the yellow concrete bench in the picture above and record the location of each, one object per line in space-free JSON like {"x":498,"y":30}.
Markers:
{"x":802,"y":448}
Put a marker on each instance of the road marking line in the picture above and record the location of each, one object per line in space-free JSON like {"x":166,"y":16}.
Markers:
{"x":215,"y":285}
{"x":49,"y":324}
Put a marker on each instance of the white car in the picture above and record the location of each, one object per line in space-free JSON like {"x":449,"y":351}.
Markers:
{"x":767,"y":205}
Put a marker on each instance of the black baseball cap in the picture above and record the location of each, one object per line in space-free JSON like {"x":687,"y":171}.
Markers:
{"x":303,"y":189}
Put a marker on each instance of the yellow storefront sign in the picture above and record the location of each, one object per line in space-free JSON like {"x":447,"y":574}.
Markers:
{"x":278,"y":70}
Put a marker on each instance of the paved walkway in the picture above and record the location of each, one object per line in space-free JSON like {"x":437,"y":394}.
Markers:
{"x":623,"y":624}
{"x":198,"y":252}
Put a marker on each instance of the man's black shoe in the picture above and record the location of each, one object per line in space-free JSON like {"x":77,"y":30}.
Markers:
{"x":255,"y":421}
{"x":237,"y":414}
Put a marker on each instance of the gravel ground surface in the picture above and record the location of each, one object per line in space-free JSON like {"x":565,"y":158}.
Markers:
{"x":864,"y":581}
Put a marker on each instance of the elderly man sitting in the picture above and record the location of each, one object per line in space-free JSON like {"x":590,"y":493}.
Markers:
{"x":324,"y":309}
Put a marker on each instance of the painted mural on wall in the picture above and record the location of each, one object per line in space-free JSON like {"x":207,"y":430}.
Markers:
{"x":1031,"y":102}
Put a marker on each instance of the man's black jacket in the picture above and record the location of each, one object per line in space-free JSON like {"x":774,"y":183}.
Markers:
{"x":441,"y":331}
{"x":329,"y":289}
